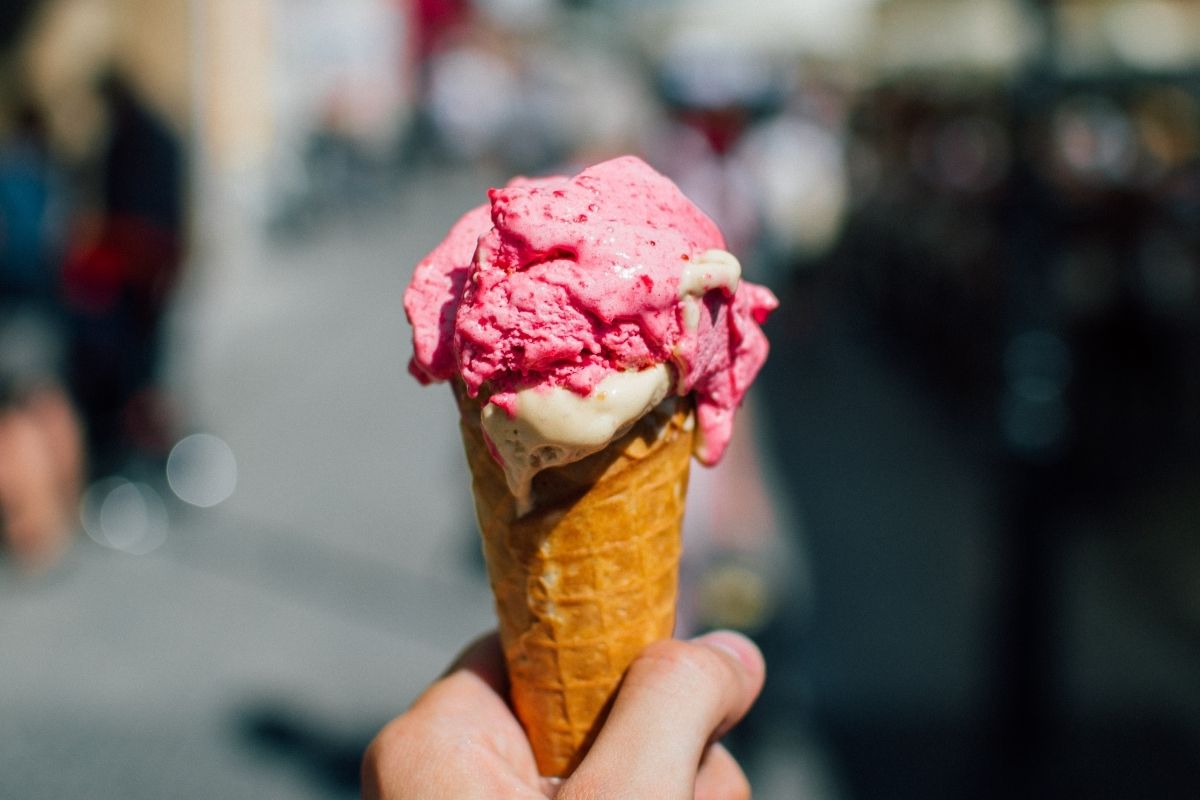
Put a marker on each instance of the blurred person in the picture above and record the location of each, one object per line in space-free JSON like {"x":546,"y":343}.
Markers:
{"x":742,"y":561}
{"x":28,"y":189}
{"x":660,"y":739}
{"x":119,"y":279}
{"x":41,"y":461}
{"x":798,"y":168}
{"x":436,"y":28}
{"x":715,"y":92}
{"x":530,"y":89}
{"x":473,"y":92}
{"x":433,"y":21}
{"x":41,"y":456}
{"x":693,"y":150}
{"x":41,"y":444}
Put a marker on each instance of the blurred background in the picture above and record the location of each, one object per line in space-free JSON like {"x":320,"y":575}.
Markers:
{"x":962,"y":516}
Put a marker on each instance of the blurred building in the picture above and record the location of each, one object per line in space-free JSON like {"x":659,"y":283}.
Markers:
{"x":295,"y":99}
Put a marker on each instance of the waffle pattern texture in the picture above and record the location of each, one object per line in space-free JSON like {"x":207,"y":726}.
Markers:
{"x":588,"y":578}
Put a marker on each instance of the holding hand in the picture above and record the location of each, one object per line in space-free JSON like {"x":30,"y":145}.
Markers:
{"x":460,"y":739}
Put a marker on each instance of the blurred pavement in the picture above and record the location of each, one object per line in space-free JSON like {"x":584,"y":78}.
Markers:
{"x":256,"y":652}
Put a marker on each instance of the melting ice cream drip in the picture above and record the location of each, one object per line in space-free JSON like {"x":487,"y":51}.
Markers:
{"x":553,"y":426}
{"x":713,"y":269}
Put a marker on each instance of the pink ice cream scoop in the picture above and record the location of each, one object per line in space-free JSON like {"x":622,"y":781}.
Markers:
{"x":561,"y":283}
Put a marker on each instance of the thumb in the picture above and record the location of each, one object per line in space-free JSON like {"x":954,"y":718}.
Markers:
{"x":675,"y":699}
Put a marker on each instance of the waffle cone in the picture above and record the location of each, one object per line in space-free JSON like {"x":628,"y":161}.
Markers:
{"x":588,"y":577}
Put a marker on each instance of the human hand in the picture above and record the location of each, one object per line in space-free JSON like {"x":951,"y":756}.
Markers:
{"x":460,"y":739}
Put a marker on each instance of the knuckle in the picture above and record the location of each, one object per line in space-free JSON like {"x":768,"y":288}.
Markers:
{"x":690,"y":667}
{"x":391,"y":743}
{"x":371,"y":770}
{"x":398,"y":757}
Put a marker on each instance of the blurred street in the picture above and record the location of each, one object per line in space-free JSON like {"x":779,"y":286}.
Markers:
{"x":248,"y":655}
{"x":959,"y":515}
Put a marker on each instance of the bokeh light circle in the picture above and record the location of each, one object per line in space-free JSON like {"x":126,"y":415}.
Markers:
{"x":202,"y":470}
{"x":125,"y":516}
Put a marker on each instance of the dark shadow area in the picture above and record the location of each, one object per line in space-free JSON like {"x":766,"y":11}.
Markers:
{"x":14,"y":16}
{"x":986,"y":407}
{"x":327,"y":756}
{"x":1135,"y":756}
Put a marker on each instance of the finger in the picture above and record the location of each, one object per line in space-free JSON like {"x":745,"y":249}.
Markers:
{"x":720,"y":777}
{"x":675,"y":699}
{"x":458,"y":739}
{"x":485,"y":660}
{"x":472,"y":697}
{"x":475,"y":682}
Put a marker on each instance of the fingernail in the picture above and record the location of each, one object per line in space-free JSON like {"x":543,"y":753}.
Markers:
{"x":738,"y":646}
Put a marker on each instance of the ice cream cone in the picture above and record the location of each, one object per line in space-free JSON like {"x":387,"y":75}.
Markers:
{"x":572,"y":306}
{"x":588,"y":577}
